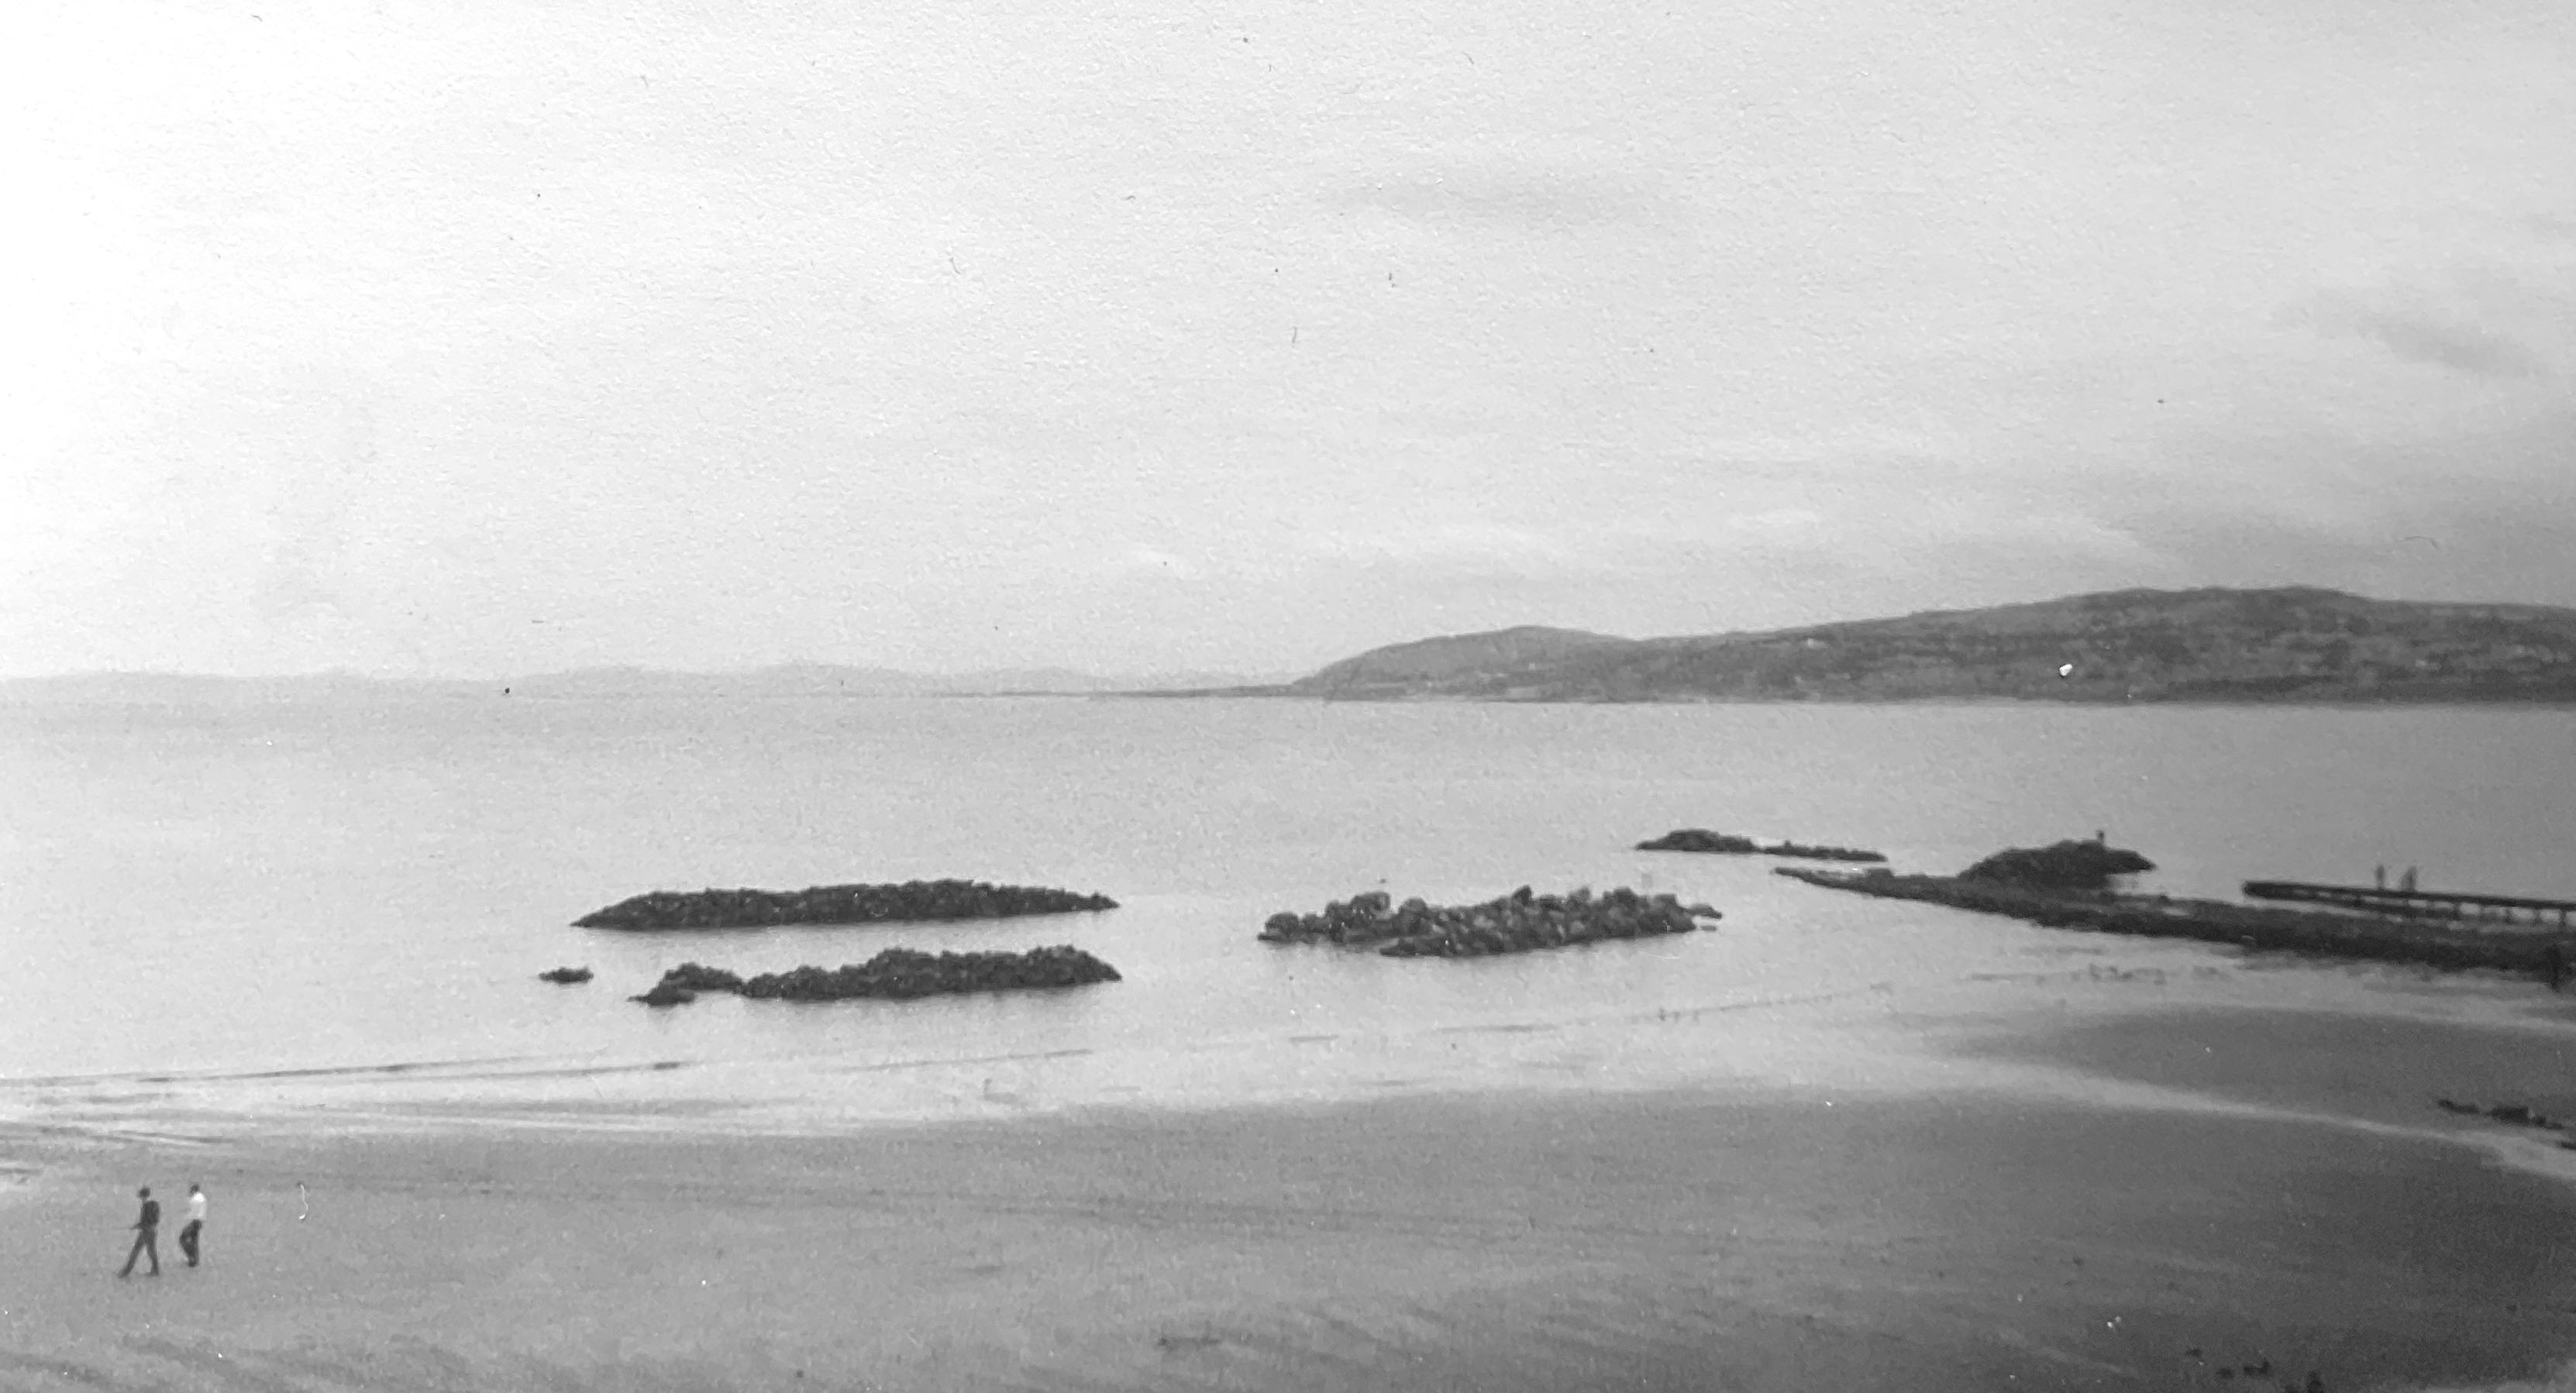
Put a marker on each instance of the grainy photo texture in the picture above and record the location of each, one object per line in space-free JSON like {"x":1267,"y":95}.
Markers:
{"x":1163,"y":697}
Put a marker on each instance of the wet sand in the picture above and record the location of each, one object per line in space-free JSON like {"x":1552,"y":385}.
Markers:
{"x":1721,"y":1238}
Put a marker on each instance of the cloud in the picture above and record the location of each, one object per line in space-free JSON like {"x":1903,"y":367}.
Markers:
{"x":2417,"y":334}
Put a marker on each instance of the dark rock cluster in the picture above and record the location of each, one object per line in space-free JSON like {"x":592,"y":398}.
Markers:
{"x":2519,"y":1114}
{"x":565,"y":976}
{"x":896,"y":973}
{"x":2064,"y":866}
{"x":1516,"y":923}
{"x":2260,"y":1369}
{"x":913,"y":900}
{"x":1729,"y":844}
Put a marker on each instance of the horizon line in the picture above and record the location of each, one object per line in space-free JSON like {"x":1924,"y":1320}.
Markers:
{"x":1196,"y":676}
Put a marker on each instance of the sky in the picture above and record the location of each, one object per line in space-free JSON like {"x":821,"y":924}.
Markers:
{"x":492,"y":337}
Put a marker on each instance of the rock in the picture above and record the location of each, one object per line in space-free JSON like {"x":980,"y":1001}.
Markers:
{"x":1701,"y":839}
{"x":664,"y":993}
{"x":1729,"y":844}
{"x":898,"y":973}
{"x":914,"y":900}
{"x":565,"y":976}
{"x":2063,"y":866}
{"x":1518,"y":922}
{"x":1821,"y":853}
{"x":697,"y":978}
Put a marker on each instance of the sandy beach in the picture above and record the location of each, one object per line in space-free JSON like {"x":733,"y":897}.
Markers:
{"x":2276,"y":1220}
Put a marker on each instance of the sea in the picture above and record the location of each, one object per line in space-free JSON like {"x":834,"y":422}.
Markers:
{"x":336,"y":910}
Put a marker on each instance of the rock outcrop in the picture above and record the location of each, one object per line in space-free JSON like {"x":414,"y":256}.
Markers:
{"x":896,"y":973}
{"x":2062,"y":866}
{"x":565,"y":976}
{"x":1516,"y":923}
{"x":1729,"y":844}
{"x":911,"y":901}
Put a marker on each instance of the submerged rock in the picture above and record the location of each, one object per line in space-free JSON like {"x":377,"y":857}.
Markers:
{"x":1515,"y":923}
{"x":911,"y":901}
{"x":565,"y":976}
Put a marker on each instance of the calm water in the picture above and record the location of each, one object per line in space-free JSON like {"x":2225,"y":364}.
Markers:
{"x":194,"y":897}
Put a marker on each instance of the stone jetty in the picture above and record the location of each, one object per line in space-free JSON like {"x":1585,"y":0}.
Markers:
{"x":895,"y":974}
{"x":1729,"y":844}
{"x":911,"y":901}
{"x":2318,"y":934}
{"x":1516,"y":923}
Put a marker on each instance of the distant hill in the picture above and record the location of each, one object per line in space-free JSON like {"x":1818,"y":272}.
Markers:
{"x":2295,"y":644}
{"x":1436,"y":665}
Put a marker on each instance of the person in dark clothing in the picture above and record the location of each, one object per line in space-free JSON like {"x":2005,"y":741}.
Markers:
{"x":196,"y":1224}
{"x":147,"y":1231}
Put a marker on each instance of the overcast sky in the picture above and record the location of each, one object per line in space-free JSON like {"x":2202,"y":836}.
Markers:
{"x":488,"y":338}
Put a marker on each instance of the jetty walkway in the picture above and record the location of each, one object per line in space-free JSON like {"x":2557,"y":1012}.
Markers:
{"x":2446,"y":904}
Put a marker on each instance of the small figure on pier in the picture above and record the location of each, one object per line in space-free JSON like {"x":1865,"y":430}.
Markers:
{"x":2379,"y":876}
{"x":2556,"y":961}
{"x":2100,"y":837}
{"x":2407,"y":884}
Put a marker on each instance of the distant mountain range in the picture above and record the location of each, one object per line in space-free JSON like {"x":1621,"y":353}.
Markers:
{"x":787,"y":680}
{"x":2297,"y":644}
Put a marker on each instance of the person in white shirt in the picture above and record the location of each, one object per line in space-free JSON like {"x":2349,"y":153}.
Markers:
{"x":196,"y":1224}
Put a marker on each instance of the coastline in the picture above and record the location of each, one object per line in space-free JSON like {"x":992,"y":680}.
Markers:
{"x":2220,"y":1193}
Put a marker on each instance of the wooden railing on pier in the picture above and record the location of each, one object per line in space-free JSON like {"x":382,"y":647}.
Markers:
{"x":2446,"y":904}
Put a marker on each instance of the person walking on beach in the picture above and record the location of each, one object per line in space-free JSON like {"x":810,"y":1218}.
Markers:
{"x":196,"y":1224}
{"x":147,"y":1229}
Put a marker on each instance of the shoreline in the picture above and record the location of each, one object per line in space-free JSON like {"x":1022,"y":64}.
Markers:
{"x":2238,"y":1193}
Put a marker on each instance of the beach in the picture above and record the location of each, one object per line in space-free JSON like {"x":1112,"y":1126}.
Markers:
{"x":293,"y":955}
{"x":1716,"y":1237}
